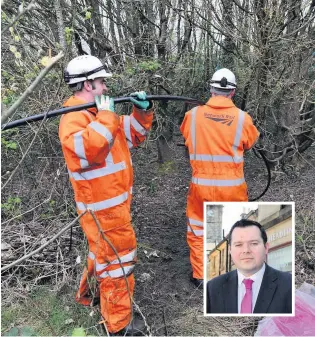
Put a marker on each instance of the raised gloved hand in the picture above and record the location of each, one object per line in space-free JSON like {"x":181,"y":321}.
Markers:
{"x":104,"y":103}
{"x":140,"y":100}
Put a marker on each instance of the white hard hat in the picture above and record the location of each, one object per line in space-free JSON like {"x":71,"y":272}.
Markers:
{"x":85,"y":67}
{"x":223,"y":79}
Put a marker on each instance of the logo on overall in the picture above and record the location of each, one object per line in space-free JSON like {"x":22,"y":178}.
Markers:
{"x":223,"y":118}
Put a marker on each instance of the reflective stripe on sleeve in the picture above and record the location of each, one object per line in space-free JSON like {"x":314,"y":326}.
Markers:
{"x":138,"y":127}
{"x":98,"y":173}
{"x":127,"y":130}
{"x":198,"y":232}
{"x":195,"y":222}
{"x":109,"y":159}
{"x":98,"y":206}
{"x":91,"y":255}
{"x":131,"y":189}
{"x":216,"y":158}
{"x":217,"y":182}
{"x":103,"y":131}
{"x":79,"y":149}
{"x":193,"y":130}
{"x":239,"y":129}
{"x":117,"y":272}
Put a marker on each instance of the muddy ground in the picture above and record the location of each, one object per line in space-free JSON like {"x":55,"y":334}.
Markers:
{"x":170,"y":302}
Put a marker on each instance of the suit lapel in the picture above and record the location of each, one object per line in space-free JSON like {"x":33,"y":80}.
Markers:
{"x":267,"y":289}
{"x":230,"y":293}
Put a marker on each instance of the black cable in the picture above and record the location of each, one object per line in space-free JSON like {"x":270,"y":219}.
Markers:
{"x":62,"y":111}
{"x":119,"y":100}
{"x":268,"y":170}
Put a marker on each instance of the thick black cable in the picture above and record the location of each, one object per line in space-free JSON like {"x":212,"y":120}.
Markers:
{"x":268,"y":170}
{"x":62,"y":111}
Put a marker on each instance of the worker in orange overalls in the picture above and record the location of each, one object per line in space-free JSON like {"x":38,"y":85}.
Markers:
{"x":95,"y":143}
{"x":216,"y":135}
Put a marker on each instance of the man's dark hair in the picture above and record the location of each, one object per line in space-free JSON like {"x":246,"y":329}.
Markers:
{"x":76,"y":86}
{"x":246,"y":223}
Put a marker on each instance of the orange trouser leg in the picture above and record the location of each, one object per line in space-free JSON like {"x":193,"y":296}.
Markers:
{"x":196,"y":197}
{"x":115,"y":299}
{"x":116,"y":304}
{"x":195,"y":244}
{"x":195,"y":233}
{"x":85,"y":293}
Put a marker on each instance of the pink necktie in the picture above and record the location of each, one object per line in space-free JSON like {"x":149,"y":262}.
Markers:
{"x":246,"y":306}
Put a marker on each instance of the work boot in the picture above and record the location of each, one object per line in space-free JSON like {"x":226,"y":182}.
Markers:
{"x":196,"y":281}
{"x":135,"y":328}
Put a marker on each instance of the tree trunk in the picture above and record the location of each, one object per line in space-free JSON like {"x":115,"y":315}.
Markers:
{"x":227,"y":57}
{"x":61,"y":26}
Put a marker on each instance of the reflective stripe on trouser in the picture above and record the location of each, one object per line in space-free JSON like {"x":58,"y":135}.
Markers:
{"x":217,"y":182}
{"x":115,"y":303}
{"x":195,"y":243}
{"x":85,"y":294}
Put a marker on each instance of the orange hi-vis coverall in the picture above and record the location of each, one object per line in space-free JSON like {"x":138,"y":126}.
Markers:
{"x":96,"y":149}
{"x":216,"y":135}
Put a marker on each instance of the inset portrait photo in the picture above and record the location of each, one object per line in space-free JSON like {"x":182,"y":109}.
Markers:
{"x":249,"y":259}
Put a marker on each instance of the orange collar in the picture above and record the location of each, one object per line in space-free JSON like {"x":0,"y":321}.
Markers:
{"x":220,"y":102}
{"x":71,"y":101}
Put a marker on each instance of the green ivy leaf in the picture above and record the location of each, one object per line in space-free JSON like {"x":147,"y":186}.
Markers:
{"x":78,"y":332}
{"x":13,"y":332}
{"x":68,"y":34}
{"x":27,"y":331}
{"x":11,"y":145}
{"x":13,"y":49}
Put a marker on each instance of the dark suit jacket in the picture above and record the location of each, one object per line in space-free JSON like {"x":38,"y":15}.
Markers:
{"x":274,"y":297}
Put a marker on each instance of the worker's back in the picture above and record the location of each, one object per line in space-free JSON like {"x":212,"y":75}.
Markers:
{"x":217,"y":135}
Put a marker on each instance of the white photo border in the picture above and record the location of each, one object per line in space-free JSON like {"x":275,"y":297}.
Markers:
{"x":244,"y":204}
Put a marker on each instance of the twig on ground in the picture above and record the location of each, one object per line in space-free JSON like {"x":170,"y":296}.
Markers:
{"x":166,"y":332}
{"x":25,"y":257}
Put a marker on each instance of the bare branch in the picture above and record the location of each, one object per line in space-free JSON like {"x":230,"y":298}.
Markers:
{"x":28,"y":8}
{"x":311,"y":19}
{"x":242,"y":8}
{"x":28,"y":91}
{"x":31,"y":144}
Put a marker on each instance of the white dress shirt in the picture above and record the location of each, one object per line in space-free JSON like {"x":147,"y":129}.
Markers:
{"x":257,"y":278}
